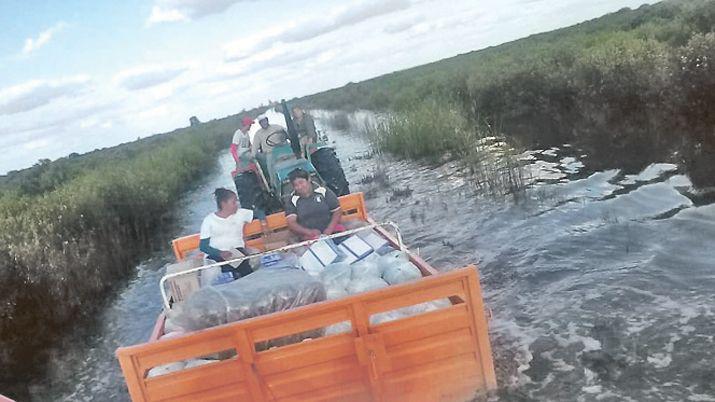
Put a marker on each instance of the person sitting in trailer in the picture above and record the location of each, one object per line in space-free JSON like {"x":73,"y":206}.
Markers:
{"x":311,"y":211}
{"x":222,"y":233}
{"x":241,"y":140}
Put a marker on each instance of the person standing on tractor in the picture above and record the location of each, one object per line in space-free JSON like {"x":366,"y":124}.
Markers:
{"x":241,"y":140}
{"x":305,"y":125}
{"x":268,"y":136}
{"x":311,"y":211}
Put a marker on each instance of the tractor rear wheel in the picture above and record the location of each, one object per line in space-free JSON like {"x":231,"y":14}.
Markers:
{"x":250,"y":193}
{"x":327,"y":164}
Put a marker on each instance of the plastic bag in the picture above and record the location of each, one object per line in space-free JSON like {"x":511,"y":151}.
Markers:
{"x":197,"y":362}
{"x":409,"y":311}
{"x":400,"y":271}
{"x":365,"y":284}
{"x":210,"y":276}
{"x":170,"y":334}
{"x":392,"y":258}
{"x":336,"y":292}
{"x":339,"y":328}
{"x":438,"y":304}
{"x":166,"y":369}
{"x":385,"y":317}
{"x":337,"y":274}
{"x":263,"y":292}
{"x":170,"y":326}
{"x":367,"y":267}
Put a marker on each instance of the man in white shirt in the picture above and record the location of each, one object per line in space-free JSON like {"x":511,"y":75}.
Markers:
{"x":268,"y":136}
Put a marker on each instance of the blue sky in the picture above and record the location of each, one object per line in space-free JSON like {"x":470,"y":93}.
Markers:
{"x":80,"y":75}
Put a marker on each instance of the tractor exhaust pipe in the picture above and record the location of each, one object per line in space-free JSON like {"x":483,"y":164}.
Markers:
{"x":292,"y":131}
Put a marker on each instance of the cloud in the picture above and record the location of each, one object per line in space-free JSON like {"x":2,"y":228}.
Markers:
{"x":42,"y":39}
{"x":148,"y":76}
{"x":33,"y":94}
{"x":185,"y":10}
{"x":404,"y":25}
{"x":20,"y":131}
{"x":314,"y":27}
{"x":159,"y":15}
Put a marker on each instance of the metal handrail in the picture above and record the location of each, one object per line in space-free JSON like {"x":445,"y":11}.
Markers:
{"x":164,"y":278}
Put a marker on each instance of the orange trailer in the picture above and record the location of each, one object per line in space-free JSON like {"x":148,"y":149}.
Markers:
{"x":441,"y":355}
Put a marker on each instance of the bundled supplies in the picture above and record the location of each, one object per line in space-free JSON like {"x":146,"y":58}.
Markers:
{"x":265,"y":291}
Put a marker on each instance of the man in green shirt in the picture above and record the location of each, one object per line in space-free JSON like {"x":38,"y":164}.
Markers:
{"x":305,"y":126}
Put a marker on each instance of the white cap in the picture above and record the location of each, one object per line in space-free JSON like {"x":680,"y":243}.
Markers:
{"x":261,"y":117}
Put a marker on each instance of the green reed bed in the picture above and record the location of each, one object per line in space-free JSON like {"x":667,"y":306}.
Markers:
{"x":436,"y":131}
{"x":63,"y":250}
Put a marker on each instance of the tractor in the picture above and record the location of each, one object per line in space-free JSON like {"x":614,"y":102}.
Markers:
{"x":262,"y":183}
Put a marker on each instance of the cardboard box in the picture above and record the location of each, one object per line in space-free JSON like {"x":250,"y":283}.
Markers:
{"x":181,"y":287}
{"x":274,"y":240}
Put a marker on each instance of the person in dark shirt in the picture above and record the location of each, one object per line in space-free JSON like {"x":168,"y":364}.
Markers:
{"x":311,"y":211}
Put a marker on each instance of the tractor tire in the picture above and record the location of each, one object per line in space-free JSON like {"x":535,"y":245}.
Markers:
{"x":250,"y":193}
{"x":328,"y":166}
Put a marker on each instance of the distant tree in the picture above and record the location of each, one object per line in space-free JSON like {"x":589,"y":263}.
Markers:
{"x":194,"y":121}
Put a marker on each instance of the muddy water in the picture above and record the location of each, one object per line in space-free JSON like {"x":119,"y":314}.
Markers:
{"x":600,"y":283}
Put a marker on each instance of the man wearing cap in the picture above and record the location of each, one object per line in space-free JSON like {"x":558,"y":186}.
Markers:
{"x":268,"y":136}
{"x":241,"y":140}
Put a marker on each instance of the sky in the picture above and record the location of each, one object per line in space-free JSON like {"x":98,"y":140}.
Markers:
{"x":80,"y":75}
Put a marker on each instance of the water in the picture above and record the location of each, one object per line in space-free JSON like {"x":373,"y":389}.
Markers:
{"x":600,"y":283}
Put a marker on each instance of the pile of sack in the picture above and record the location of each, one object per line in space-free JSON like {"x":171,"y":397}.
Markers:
{"x":374,"y":272}
{"x":283,"y":281}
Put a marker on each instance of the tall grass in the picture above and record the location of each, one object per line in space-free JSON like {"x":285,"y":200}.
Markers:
{"x":63,"y":250}
{"x":435,"y":130}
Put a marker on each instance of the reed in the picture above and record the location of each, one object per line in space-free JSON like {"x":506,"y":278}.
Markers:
{"x":65,"y":246}
{"x":436,"y":131}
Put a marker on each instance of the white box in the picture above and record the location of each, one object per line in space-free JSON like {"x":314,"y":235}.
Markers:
{"x":357,"y":246}
{"x":374,"y":240}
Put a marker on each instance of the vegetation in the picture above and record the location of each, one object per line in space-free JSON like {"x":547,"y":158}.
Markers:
{"x":71,"y":229}
{"x":437,"y":130}
{"x":635,"y":82}
{"x":339,"y":121}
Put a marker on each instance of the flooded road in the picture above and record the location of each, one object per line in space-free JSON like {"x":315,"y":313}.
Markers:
{"x":600,"y":283}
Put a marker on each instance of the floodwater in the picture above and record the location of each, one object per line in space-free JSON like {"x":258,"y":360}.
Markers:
{"x":600,"y":283}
